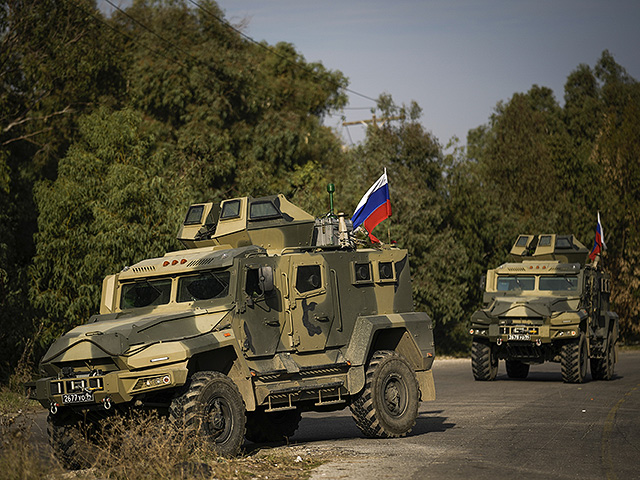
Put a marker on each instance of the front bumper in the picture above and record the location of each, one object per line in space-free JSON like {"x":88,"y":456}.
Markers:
{"x":95,"y":390}
{"x":515,"y":332}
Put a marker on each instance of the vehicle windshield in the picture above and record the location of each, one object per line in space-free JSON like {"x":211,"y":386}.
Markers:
{"x":145,"y":293}
{"x":510,"y":283}
{"x":563,"y":283}
{"x":203,"y":286}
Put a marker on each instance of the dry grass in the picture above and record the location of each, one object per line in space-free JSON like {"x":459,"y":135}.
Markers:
{"x":139,"y":447}
{"x":20,"y":458}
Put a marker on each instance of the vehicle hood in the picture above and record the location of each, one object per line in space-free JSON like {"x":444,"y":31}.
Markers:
{"x":116,"y":334}
{"x":534,"y":307}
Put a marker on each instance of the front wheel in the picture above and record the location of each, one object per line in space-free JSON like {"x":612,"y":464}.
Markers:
{"x":388,"y":404}
{"x":69,"y":437}
{"x":213,"y":409}
{"x":484,"y":361}
{"x":573,"y":360}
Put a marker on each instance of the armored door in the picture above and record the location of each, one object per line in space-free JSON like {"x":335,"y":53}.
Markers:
{"x":312,"y":307}
{"x":261,"y":311}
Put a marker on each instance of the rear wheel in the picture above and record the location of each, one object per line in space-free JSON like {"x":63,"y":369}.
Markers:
{"x":484,"y":361}
{"x":388,"y":404}
{"x":573,"y":360}
{"x":604,"y":368}
{"x":213,"y":409}
{"x":271,"y":427}
{"x":517,"y":369}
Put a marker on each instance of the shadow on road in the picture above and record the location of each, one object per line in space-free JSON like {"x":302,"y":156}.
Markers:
{"x":429,"y":422}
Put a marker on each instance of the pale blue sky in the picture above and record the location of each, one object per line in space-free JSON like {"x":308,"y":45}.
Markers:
{"x":456,"y":58}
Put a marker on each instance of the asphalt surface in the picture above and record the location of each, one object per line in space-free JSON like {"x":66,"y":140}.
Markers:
{"x":538,"y":428}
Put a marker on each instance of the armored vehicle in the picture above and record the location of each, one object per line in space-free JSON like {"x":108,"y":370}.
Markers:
{"x":549,"y":304}
{"x":268,"y":312}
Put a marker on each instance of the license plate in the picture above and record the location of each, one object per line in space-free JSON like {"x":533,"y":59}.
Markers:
{"x":519,"y":336}
{"x":86,"y":397}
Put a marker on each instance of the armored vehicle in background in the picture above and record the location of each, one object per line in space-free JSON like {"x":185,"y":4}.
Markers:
{"x":549,"y":304}
{"x":267,"y":313}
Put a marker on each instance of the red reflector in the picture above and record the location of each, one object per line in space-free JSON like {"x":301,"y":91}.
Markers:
{"x":227,"y":334}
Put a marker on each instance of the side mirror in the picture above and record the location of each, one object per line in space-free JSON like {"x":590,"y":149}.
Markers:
{"x":265,"y":278}
{"x":483,"y":283}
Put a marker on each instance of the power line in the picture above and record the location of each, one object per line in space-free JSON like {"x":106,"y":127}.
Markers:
{"x":152,"y":50}
{"x":151,"y":31}
{"x":247,"y":37}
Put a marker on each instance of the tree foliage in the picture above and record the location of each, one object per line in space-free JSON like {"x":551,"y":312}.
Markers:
{"x":111,"y":127}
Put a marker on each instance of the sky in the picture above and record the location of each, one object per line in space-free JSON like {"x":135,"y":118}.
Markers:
{"x":456,"y":58}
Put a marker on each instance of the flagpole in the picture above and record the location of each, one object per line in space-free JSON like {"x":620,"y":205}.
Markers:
{"x":389,"y":218}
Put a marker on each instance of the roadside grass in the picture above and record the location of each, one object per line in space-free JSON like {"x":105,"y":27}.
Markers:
{"x":20,"y":458}
{"x":140,"y":446}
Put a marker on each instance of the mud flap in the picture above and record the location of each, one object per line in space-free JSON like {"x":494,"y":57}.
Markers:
{"x":426,"y":385}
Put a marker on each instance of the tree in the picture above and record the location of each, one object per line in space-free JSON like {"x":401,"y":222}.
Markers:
{"x":114,"y":203}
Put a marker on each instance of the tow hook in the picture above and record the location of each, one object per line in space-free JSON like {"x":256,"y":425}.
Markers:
{"x":106,"y":403}
{"x":53,"y":408}
{"x":499,"y":341}
{"x":538,"y":342}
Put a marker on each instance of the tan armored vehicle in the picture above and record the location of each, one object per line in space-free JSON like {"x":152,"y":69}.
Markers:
{"x":549,"y":304}
{"x":268,"y":312}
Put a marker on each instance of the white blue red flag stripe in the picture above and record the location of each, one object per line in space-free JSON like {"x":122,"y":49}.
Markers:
{"x":598,"y":245}
{"x":374,"y":206}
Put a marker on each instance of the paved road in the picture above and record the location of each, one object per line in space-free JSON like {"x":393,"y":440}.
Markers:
{"x":538,"y":428}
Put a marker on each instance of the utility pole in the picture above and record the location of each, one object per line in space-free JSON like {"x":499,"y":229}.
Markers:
{"x":374,"y":121}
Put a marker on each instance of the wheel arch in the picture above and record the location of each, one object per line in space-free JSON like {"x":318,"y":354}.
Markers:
{"x":409,"y":334}
{"x":227,"y":361}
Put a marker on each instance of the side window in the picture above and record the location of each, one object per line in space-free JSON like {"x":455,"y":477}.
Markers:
{"x":252,"y":287}
{"x":145,"y":293}
{"x":308,"y":277}
{"x":230,"y":209}
{"x":204,"y":286}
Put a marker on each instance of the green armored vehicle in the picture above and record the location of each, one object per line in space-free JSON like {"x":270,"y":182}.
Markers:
{"x":549,"y":304}
{"x":267,"y":313}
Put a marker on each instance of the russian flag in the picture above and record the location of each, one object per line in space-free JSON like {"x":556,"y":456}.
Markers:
{"x":598,"y":244}
{"x":374,"y":207}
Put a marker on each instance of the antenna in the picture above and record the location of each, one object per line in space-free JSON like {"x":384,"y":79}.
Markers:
{"x":331,"y":188}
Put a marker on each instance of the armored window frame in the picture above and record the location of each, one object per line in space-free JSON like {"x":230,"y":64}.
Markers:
{"x":545,"y":241}
{"x":545,"y":282}
{"x":358,"y":271}
{"x":222,"y":277}
{"x":163,"y":286}
{"x":516,"y":279}
{"x":256,"y":214}
{"x":230,"y":209}
{"x":191,"y":213}
{"x":309,"y":278}
{"x":386,"y":277}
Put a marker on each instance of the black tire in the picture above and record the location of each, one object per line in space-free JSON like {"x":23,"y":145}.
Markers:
{"x":213,"y":409}
{"x":387,"y":406}
{"x":65,"y":431}
{"x":272,"y":427}
{"x":517,"y":369}
{"x":484,"y":361}
{"x":604,"y":368}
{"x":573,"y":360}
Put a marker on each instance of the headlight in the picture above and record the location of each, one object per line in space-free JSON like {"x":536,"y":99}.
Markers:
{"x":151,"y":382}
